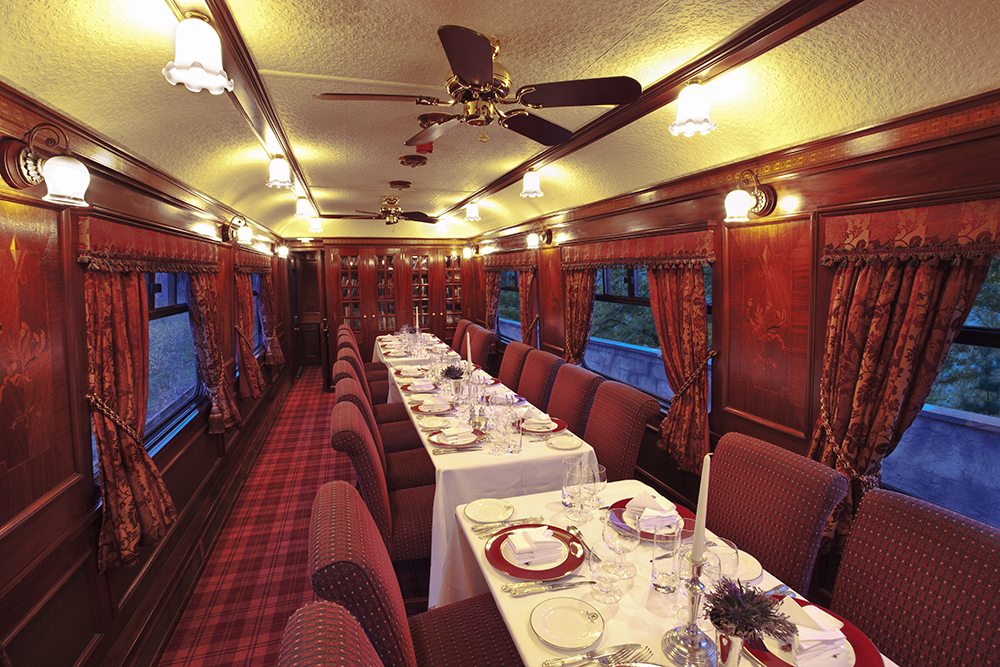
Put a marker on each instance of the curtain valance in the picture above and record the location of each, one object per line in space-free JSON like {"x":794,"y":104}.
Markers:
{"x":110,"y":246}
{"x":251,"y":261}
{"x":519,"y":260}
{"x":947,"y":232}
{"x":672,"y":250}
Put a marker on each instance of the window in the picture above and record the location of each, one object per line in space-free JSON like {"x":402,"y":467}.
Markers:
{"x":623,"y":342}
{"x":510,"y":307}
{"x":949,"y":454}
{"x":258,"y":335}
{"x":173,"y":374}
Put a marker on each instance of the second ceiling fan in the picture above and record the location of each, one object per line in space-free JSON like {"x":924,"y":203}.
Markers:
{"x":481,"y":85}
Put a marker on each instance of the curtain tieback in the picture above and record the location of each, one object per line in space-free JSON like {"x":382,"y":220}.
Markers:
{"x":243,"y":337}
{"x":868,"y":482}
{"x":690,"y":380}
{"x":106,"y":410}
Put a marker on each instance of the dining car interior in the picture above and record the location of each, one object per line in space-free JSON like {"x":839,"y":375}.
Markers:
{"x":539,"y":332}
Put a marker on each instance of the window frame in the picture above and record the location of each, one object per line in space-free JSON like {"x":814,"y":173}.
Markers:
{"x":509,"y":274}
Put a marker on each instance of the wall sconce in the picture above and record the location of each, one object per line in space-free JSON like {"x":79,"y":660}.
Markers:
{"x":539,"y":235}
{"x":472,"y":212}
{"x":279,"y":174}
{"x":66,"y":178}
{"x":692,"y":112}
{"x":467,"y":252}
{"x":197,"y":59}
{"x":240,"y":231}
{"x":315,"y":226}
{"x":740,"y":202}
{"x":562,"y":237}
{"x":282,"y":251}
{"x":304,"y":208}
{"x":530,"y":184}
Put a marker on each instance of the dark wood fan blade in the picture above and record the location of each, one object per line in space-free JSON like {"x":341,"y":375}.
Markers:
{"x":417,"y":216}
{"x":469,"y":54}
{"x":422,"y":100}
{"x":584,"y":92}
{"x":535,"y":127}
{"x":431,"y":133}
{"x":337,"y":216}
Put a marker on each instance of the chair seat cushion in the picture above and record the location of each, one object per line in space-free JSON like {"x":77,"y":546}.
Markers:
{"x":405,"y":470}
{"x":399,"y":436}
{"x":379,"y":390}
{"x":390,"y":412}
{"x":412,"y":516}
{"x":463,"y":634}
{"x":376,"y":367}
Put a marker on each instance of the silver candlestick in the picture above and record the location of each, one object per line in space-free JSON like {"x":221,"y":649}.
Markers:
{"x":687,"y":645}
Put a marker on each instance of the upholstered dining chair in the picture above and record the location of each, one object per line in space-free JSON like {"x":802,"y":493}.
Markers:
{"x":572,"y":396}
{"x":482,"y":341}
{"x":405,"y":461}
{"x":324,"y":634}
{"x":404,"y":516}
{"x":773,"y":504}
{"x":349,"y":565}
{"x":377,"y":391}
{"x":512,"y":363}
{"x":385,"y":412}
{"x":922,"y":582}
{"x":617,"y":422}
{"x":538,"y":376}
{"x":456,"y":341}
{"x":461,"y":347}
{"x":373,"y":369}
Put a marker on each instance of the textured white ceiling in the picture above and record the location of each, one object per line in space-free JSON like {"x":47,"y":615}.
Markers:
{"x":99,"y":62}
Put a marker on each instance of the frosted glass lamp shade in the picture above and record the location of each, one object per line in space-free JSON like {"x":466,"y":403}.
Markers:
{"x":67,"y":180}
{"x":282,"y":251}
{"x":279,"y":174}
{"x":466,"y":252}
{"x":738,"y":204}
{"x":315,"y":226}
{"x":197,"y":59}
{"x":472,"y":212}
{"x":533,"y":240}
{"x":530,"y":185}
{"x":244,"y":235}
{"x":304,"y":209}
{"x":692,"y":112}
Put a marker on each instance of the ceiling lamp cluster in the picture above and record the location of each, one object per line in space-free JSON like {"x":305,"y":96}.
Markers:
{"x":66,"y":178}
{"x":197,"y":59}
{"x":692,"y":112}
{"x":759,"y":200}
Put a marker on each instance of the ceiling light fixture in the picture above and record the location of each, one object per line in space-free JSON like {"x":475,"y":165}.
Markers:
{"x":472,"y":212}
{"x":197,"y":59}
{"x":316,"y":226}
{"x":279,"y":174}
{"x":692,"y":112}
{"x":741,"y":202}
{"x":66,"y":178}
{"x":282,"y":251}
{"x":304,"y":208}
{"x":530,"y":184}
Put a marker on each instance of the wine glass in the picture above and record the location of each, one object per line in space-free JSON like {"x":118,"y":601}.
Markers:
{"x":621,"y":538}
{"x":601,"y":561}
{"x":598,"y":482}
{"x":729,"y":557}
{"x":574,"y":491}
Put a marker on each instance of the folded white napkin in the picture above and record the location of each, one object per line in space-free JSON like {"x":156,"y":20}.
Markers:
{"x":421,"y":385}
{"x":534,"y":419}
{"x":532,"y":546}
{"x":434,"y":401}
{"x":820,"y":641}
{"x":410,"y":372}
{"x":481,"y":377}
{"x":457,"y":433}
{"x":393,"y":344}
{"x":441,"y":346}
{"x":652,"y":513}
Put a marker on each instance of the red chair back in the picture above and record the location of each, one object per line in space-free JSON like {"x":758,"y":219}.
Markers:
{"x":616,"y":425}
{"x":512,"y":363}
{"x":572,"y":396}
{"x":322,"y":634}
{"x":538,"y":376}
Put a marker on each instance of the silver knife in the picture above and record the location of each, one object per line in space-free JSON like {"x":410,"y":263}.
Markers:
{"x":545,"y":588}
{"x":592,"y":655}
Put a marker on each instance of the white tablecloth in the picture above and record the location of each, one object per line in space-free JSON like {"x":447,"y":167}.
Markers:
{"x":463,"y":477}
{"x":642,"y":615}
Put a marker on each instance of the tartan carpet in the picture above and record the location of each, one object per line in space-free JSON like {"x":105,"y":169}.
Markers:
{"x":256,"y":577}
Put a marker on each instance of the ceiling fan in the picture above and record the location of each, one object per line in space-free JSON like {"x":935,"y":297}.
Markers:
{"x":480,"y":85}
{"x":390,"y":211}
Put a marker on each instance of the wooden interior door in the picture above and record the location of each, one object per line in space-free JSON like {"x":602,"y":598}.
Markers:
{"x":309,"y":309}
{"x":384,"y":302}
{"x":451,"y":311}
{"x":420,"y":288}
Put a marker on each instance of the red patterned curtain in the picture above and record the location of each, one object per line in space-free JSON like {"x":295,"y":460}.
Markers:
{"x":137,"y":509}
{"x":252,"y":383}
{"x":529,"y":318}
{"x":677,"y":295}
{"x":268,"y":320}
{"x":203,"y":310}
{"x":492,"y":299}
{"x":579,"y":313}
{"x":904,"y":284}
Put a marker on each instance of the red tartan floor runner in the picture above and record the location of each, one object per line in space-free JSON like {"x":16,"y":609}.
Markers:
{"x":256,"y":576}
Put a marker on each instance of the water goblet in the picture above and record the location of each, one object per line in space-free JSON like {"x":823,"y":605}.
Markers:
{"x":666,"y":545}
{"x":621,"y":538}
{"x":729,"y":557}
{"x":598,"y":482}
{"x":601,"y":561}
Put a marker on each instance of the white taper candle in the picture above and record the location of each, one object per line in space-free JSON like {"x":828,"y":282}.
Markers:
{"x":698,"y":543}
{"x":468,"y":350}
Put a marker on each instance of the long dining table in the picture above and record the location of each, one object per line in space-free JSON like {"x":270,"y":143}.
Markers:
{"x":462,"y":477}
{"x":641,"y":616}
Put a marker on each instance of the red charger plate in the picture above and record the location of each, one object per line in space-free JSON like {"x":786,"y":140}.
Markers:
{"x":573,"y":560}
{"x":560,"y":426}
{"x":618,"y":518}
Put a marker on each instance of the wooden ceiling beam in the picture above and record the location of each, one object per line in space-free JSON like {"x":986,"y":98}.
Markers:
{"x":773,"y":29}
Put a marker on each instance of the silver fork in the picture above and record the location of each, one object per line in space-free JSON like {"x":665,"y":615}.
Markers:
{"x":640,"y":654}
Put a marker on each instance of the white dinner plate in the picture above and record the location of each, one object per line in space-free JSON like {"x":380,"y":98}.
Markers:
{"x":434,"y":422}
{"x":848,"y":659}
{"x":489,"y":510}
{"x":567,"y":623}
{"x":749,"y":568}
{"x":419,"y":398}
{"x":459,"y":440}
{"x":564,"y":442}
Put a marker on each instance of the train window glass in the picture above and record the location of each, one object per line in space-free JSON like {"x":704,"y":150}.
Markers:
{"x":173,"y":374}
{"x":510,"y":307}
{"x":258,"y":335}
{"x":949,"y":454}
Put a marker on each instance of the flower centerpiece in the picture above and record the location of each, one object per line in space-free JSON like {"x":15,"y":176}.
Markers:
{"x":743,"y":612}
{"x":453,"y":372}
